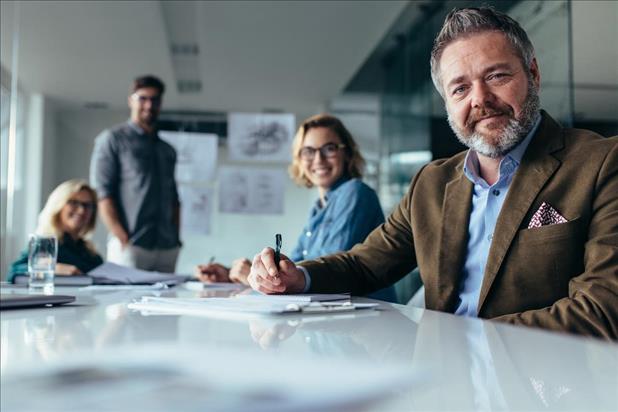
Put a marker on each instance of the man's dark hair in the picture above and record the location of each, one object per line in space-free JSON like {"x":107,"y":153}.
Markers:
{"x":148,"y":80}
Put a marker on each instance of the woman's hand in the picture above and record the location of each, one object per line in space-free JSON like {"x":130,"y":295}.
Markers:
{"x":67,"y":270}
{"x":212,"y":272}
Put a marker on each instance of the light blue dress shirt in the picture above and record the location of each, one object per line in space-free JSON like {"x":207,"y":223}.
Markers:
{"x":487,"y":202}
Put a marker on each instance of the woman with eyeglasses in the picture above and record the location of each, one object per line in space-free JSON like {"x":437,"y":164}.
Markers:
{"x":70,"y":214}
{"x":325,"y":156}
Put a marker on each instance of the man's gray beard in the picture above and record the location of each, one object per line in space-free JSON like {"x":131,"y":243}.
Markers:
{"x":514,"y":132}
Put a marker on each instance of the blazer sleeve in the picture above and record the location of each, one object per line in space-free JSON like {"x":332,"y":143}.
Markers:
{"x":385,"y":256}
{"x":591,"y":307}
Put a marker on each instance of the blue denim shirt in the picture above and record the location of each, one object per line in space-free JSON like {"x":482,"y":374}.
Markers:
{"x":352,"y":211}
{"x":487,"y":203}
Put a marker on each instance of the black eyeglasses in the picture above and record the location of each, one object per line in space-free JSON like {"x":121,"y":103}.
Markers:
{"x":86,"y":205}
{"x":329,"y":150}
{"x":154,"y":100}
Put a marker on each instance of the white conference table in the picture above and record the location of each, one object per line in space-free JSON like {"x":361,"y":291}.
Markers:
{"x":450,"y":363}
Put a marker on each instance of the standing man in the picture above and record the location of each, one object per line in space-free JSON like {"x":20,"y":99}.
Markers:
{"x":521,"y":228}
{"x":132,"y":170}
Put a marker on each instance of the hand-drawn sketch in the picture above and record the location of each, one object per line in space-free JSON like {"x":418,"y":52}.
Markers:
{"x":196,"y":210}
{"x":251,"y":190}
{"x":196,"y":155}
{"x":260,"y":137}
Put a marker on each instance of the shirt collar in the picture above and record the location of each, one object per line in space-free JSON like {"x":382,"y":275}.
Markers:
{"x":508,"y":164}
{"x":138,"y":129}
{"x":331,"y":191}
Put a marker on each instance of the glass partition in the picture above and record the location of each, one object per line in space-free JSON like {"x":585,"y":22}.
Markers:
{"x":413,"y":122}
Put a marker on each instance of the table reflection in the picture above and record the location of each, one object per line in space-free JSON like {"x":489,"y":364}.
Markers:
{"x":43,"y":335}
{"x":492,"y":366}
{"x":367,"y":334}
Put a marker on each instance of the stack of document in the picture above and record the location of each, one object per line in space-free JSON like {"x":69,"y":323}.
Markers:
{"x":59,"y":280}
{"x":112,"y":274}
{"x":249,"y":305}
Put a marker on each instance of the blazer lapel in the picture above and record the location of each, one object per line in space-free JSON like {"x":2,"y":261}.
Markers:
{"x":453,"y":242}
{"x":536,"y":168}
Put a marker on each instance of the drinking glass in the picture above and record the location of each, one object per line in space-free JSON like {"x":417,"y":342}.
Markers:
{"x":42,"y":254}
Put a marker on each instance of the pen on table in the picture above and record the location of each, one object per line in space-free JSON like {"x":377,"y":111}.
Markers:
{"x":277,"y":249}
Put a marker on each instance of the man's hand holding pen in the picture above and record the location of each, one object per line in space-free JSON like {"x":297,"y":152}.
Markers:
{"x":267,"y":278}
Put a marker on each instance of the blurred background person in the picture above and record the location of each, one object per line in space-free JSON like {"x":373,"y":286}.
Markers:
{"x":70,"y":214}
{"x":132,"y":170}
{"x":325,"y":156}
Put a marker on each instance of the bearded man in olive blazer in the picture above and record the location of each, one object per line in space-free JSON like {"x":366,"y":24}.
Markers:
{"x":521,"y":228}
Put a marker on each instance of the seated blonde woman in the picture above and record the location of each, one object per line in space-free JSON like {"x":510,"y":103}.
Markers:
{"x":70,"y":214}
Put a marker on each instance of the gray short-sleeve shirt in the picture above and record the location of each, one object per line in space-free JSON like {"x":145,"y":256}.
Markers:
{"x":136,"y":170}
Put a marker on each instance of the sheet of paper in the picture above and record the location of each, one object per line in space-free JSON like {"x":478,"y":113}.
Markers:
{"x":299,"y":298}
{"x":156,"y":286}
{"x":196,"y":209}
{"x":197,"y":285}
{"x":222,"y":307}
{"x":196,"y":155}
{"x":235,"y":308}
{"x":260,"y":137}
{"x":251,"y":190}
{"x":112,"y":273}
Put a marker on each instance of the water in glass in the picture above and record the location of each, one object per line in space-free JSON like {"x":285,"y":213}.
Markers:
{"x":42,"y":254}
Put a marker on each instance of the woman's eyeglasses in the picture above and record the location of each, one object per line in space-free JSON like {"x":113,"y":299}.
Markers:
{"x":329,"y":150}
{"x":89,"y":206}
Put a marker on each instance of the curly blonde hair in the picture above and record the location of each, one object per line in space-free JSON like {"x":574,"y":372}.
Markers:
{"x":354,"y":162}
{"x":49,"y":218}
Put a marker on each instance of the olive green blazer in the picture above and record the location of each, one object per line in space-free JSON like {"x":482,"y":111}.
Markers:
{"x":560,"y":277}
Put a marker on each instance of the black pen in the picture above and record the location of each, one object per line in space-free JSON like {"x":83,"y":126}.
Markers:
{"x":277,"y":249}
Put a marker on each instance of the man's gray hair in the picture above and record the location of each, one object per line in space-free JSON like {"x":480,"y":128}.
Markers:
{"x":460,"y":23}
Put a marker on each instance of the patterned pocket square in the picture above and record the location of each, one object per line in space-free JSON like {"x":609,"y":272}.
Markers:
{"x":545,"y":216}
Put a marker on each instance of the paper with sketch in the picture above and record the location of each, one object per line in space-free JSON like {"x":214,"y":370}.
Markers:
{"x":196,"y":210}
{"x":111,"y":273}
{"x":196,"y":155}
{"x":156,"y":378}
{"x":260,"y":137}
{"x":251,"y":190}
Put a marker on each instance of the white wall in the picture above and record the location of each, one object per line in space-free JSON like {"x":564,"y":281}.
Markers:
{"x":232,"y":235}
{"x":76,"y":130}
